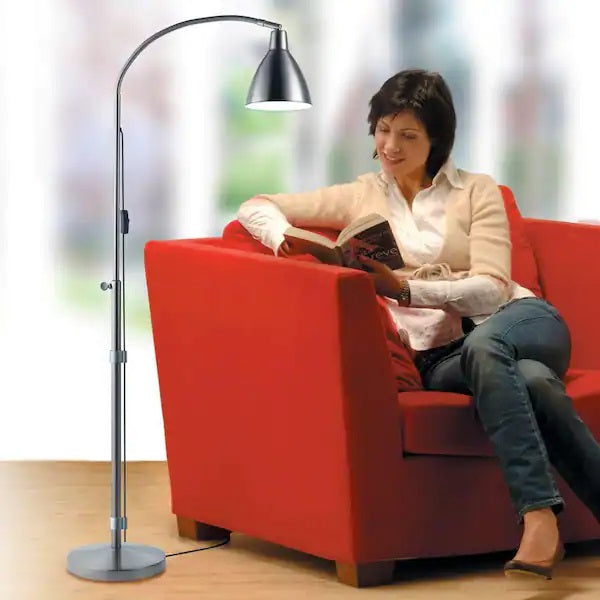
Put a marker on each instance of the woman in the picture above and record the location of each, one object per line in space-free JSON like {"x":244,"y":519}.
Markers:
{"x":475,"y":331}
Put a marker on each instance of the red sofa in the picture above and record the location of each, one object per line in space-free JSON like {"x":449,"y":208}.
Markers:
{"x":282,"y":418}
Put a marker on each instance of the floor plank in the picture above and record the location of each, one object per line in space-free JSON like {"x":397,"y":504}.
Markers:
{"x":49,"y":508}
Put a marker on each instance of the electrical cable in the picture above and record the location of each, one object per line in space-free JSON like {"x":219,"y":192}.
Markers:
{"x":198,"y":549}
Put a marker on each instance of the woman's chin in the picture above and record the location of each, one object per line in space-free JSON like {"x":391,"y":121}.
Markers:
{"x":391,"y":170}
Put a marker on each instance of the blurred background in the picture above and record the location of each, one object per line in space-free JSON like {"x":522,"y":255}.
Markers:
{"x":521,"y":72}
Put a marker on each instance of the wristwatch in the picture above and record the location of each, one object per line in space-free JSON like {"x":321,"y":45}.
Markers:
{"x":403,"y":297}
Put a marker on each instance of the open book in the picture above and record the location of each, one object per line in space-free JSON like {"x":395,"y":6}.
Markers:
{"x":370,"y":235}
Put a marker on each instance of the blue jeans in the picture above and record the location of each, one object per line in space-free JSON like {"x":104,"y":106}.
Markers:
{"x":513,"y":364}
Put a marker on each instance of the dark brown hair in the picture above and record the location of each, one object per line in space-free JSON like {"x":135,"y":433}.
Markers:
{"x":425,"y":94}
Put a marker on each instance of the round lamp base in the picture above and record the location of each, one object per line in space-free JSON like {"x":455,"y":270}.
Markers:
{"x":101,"y":562}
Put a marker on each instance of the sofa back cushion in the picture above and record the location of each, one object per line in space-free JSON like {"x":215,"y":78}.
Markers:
{"x":524,"y":269}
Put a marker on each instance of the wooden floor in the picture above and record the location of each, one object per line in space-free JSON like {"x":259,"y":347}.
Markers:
{"x":49,"y":508}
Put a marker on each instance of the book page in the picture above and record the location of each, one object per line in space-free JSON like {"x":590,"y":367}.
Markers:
{"x":296,"y":233}
{"x":317,"y":245}
{"x":358,"y":225}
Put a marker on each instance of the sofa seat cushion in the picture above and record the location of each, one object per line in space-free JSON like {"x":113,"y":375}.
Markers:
{"x":448,"y":424}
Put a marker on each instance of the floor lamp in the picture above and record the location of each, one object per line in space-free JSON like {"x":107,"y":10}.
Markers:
{"x":278,"y":84}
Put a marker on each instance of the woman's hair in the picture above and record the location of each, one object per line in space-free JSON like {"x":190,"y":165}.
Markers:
{"x":428,"y":97}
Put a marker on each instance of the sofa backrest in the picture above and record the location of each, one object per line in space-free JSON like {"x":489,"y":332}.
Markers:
{"x":524,"y":268}
{"x":566,"y":254}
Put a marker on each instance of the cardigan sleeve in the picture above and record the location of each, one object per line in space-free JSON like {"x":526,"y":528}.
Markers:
{"x":490,"y":245}
{"x":267,"y":216}
{"x":486,"y":284}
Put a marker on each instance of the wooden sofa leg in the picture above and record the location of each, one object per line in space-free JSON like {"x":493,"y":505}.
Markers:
{"x":195,"y":530}
{"x":365,"y":574}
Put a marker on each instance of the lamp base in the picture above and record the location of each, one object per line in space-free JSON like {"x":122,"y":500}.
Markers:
{"x":101,"y":562}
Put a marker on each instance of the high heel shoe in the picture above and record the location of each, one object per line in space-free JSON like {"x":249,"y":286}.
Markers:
{"x":518,"y":567}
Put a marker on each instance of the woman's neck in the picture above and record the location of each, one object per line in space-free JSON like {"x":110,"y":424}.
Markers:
{"x":411,"y":184}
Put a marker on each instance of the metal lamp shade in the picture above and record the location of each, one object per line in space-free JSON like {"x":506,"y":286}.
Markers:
{"x":278,"y":83}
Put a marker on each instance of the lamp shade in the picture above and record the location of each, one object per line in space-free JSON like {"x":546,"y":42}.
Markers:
{"x":278,"y":83}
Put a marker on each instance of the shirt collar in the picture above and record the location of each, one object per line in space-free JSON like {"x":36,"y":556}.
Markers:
{"x":447,"y":170}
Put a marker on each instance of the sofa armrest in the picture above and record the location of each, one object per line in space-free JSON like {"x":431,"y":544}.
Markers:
{"x":566,"y":254}
{"x":274,"y":378}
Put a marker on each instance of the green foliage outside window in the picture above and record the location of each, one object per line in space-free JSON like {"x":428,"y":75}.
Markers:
{"x":254,"y":155}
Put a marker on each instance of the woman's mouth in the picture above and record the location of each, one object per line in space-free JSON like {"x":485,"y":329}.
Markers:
{"x":393,"y":161}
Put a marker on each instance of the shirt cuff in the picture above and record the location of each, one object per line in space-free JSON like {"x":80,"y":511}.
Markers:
{"x":425,"y":295}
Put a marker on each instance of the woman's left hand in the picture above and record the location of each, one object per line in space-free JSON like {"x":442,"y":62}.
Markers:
{"x":386,"y":283}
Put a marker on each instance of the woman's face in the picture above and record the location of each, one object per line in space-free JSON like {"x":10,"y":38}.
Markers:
{"x":402,"y":144}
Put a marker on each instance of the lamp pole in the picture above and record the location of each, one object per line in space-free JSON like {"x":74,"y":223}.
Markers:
{"x":278,"y":80}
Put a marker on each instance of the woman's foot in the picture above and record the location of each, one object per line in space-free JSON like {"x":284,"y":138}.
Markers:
{"x":540,"y":537}
{"x":540,"y":547}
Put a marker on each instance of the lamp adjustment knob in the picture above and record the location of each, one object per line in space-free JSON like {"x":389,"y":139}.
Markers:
{"x":105,"y":286}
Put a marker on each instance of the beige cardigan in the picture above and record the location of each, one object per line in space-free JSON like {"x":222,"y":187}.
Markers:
{"x":476,"y":242}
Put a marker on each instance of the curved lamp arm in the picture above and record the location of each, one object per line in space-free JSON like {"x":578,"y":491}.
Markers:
{"x":166,"y":30}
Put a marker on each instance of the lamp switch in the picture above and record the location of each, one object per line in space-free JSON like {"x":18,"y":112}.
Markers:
{"x":124,"y":221}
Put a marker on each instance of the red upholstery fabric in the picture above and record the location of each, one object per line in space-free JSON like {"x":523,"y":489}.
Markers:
{"x":524,"y":268}
{"x":402,"y":356}
{"x":442,"y":423}
{"x":570,"y":276}
{"x":282,"y":420}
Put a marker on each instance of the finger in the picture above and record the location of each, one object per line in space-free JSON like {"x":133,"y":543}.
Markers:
{"x":366,"y":259}
{"x":374,"y":264}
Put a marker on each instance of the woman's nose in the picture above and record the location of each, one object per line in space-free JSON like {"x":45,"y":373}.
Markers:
{"x":392,"y":148}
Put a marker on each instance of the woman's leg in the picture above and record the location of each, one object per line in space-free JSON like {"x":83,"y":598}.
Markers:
{"x":513,"y":362}
{"x":440,"y":368}
{"x":523,"y":329}
{"x":571,"y":447}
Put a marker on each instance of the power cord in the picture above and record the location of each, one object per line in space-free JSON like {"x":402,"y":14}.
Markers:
{"x":198,"y":549}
